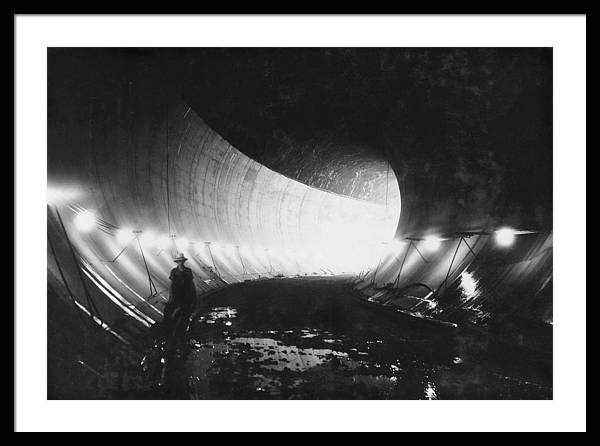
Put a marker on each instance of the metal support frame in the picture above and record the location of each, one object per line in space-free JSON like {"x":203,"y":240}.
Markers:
{"x":213,"y":260}
{"x":462,"y":239}
{"x":244,"y":270}
{"x":413,"y":245}
{"x":152,"y":285}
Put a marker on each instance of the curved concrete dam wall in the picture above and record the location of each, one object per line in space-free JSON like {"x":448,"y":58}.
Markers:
{"x":136,"y":162}
{"x":128,"y":195}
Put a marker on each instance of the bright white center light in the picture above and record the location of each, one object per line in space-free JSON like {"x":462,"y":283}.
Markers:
{"x":124,"y":235}
{"x":85,"y":221}
{"x":396,"y":245}
{"x":182,"y":243}
{"x":505,"y":237}
{"x":147,"y":238}
{"x":57,"y":195}
{"x":431,"y":243}
{"x":163,"y":242}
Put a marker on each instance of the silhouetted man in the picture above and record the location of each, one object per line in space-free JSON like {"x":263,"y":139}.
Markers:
{"x":183,"y":293}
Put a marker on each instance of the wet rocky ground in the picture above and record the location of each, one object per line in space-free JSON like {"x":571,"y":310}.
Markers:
{"x":317,"y":338}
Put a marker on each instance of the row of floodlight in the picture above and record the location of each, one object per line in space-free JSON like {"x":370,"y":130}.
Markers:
{"x":503,"y":237}
{"x":86,"y":220}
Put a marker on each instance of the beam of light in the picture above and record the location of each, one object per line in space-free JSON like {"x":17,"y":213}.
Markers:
{"x":261,"y":254}
{"x":199,"y":248}
{"x":182,"y":243}
{"x":124,"y":236}
{"x":214,"y":246}
{"x":504,"y":237}
{"x":61,"y":194}
{"x":396,"y":246}
{"x":431,"y":243}
{"x":148,"y":239}
{"x":85,"y":221}
{"x":164,"y":242}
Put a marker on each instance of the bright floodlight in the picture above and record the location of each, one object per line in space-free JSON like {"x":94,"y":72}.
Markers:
{"x":61,"y":194}
{"x":182,"y":243}
{"x":505,"y":237}
{"x":85,"y":221}
{"x":431,"y":243}
{"x":124,"y":235}
{"x":147,"y":238}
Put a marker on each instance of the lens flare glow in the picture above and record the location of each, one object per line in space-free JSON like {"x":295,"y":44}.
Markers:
{"x":124,"y":235}
{"x":164,"y":242}
{"x":396,"y":246}
{"x":432,"y":243}
{"x":58,"y":195}
{"x":182,"y":243}
{"x":505,"y":237}
{"x":85,"y":221}
{"x":148,"y":239}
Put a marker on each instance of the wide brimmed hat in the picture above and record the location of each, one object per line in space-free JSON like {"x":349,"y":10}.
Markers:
{"x":180,"y":258}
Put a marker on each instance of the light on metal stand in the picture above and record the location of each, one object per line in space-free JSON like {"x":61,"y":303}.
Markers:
{"x":411,"y":243}
{"x":213,"y":260}
{"x":504,"y":237}
{"x":463,"y":239}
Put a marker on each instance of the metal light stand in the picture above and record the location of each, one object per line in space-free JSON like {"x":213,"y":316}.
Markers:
{"x":412,"y":244}
{"x":462,"y":239}
{"x":213,"y":261}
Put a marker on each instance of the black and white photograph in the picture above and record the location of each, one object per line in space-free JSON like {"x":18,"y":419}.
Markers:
{"x":326,"y":223}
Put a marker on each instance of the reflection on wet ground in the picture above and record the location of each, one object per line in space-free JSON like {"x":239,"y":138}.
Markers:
{"x":312,"y":339}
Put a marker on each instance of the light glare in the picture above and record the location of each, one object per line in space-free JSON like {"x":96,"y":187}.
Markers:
{"x":505,"y":237}
{"x":182,"y":243}
{"x":163,"y":242}
{"x":147,"y":238}
{"x":85,"y":221}
{"x":124,"y":235}
{"x":432,"y":243}
{"x":58,"y":195}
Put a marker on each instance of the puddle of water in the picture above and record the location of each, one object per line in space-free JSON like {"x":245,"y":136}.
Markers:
{"x":224,"y":360}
